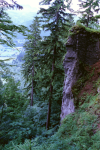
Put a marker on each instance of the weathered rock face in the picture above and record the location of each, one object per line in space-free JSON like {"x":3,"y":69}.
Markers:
{"x":80,"y":47}
{"x":71,"y":67}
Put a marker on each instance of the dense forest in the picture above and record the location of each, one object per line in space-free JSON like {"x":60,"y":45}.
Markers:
{"x":30,"y":119}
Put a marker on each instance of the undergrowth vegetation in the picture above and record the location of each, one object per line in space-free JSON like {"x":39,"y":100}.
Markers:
{"x":77,"y":131}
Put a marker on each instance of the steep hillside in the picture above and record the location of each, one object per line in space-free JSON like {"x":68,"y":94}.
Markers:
{"x":81,"y":129}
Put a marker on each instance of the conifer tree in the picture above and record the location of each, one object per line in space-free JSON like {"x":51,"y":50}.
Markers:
{"x":88,"y":9}
{"x":32,"y":50}
{"x":58,"y":23}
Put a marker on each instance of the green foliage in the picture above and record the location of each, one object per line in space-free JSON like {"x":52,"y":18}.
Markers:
{"x":79,"y":28}
{"x":42,"y":58}
{"x":23,"y":126}
{"x":58,"y":22}
{"x":12,"y":104}
{"x":8,"y":29}
{"x":32,"y":52}
{"x":6,"y":4}
{"x":87,"y":9}
{"x":96,"y":84}
{"x":77,"y":131}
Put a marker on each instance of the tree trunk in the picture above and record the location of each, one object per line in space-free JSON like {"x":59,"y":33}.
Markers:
{"x":32,"y":91}
{"x":51,"y":91}
{"x":87,"y":23}
{"x":2,"y":112}
{"x":49,"y":108}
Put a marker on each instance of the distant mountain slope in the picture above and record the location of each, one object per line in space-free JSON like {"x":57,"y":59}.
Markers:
{"x":24,"y":17}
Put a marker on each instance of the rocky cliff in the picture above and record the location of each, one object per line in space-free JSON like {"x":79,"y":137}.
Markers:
{"x":82,"y":48}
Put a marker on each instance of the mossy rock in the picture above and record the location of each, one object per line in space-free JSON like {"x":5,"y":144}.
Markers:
{"x":79,"y":28}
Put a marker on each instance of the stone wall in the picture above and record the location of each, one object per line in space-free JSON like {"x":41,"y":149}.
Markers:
{"x":81,"y":47}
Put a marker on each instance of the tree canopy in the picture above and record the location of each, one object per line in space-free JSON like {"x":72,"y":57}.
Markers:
{"x":89,"y":10}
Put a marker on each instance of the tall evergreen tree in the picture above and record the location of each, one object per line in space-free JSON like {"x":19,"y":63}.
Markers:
{"x":58,"y":22}
{"x":89,"y":10}
{"x":32,"y":50}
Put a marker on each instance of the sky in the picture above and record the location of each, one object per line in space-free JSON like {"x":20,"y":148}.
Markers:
{"x":29,"y":11}
{"x":32,"y":3}
{"x":35,"y":4}
{"x":28,"y":3}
